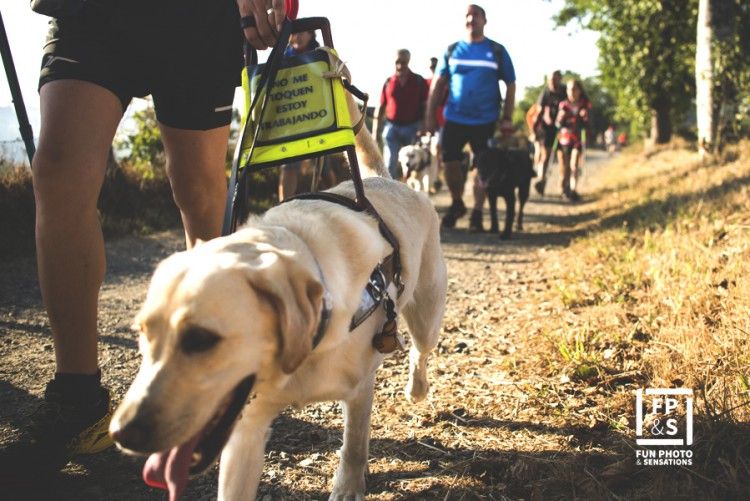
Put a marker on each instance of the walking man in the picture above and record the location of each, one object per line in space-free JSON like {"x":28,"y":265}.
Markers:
{"x":402,"y":104}
{"x":470,"y":69}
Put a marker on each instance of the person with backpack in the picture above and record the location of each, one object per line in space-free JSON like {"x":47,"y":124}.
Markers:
{"x":470,"y":70}
{"x":187,"y":54}
{"x":548,"y":102}
{"x":402,"y":105}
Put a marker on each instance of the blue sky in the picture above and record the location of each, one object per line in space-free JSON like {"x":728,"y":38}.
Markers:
{"x":367,"y":35}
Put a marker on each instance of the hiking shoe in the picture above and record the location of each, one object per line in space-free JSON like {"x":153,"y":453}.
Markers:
{"x":57,"y":429}
{"x":456,"y":211}
{"x":573,"y":196}
{"x":475,"y":222}
{"x":539,"y":187}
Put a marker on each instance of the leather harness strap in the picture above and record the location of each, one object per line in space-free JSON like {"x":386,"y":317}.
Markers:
{"x":375,"y":294}
{"x":391,"y":264}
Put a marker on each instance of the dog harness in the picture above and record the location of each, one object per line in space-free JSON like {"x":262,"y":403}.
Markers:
{"x":375,"y":293}
{"x":296,"y":109}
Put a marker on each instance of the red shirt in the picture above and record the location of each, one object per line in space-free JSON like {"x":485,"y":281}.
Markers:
{"x":404,"y":104}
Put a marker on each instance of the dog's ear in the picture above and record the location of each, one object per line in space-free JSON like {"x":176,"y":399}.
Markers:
{"x":297,"y":296}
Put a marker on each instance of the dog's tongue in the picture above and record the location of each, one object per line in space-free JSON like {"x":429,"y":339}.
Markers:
{"x":169,"y":470}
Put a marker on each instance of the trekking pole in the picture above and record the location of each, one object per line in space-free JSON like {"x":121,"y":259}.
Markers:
{"x":27,"y":134}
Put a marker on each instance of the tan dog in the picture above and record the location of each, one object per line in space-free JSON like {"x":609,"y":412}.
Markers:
{"x":246,"y":307}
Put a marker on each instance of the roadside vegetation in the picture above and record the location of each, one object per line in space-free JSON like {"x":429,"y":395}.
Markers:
{"x":652,"y":294}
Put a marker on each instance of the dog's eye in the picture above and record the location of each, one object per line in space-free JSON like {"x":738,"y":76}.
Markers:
{"x":198,"y":339}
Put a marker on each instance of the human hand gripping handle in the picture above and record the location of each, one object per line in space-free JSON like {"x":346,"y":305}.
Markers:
{"x":261,"y":19}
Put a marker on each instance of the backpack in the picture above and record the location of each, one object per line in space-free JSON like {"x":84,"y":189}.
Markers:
{"x":533,"y":117}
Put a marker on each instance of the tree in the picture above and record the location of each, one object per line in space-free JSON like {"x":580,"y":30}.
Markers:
{"x":704,"y":79}
{"x":722,"y":70}
{"x":146,"y":151}
{"x":602,"y":106}
{"x":530,"y":95}
{"x":646,"y":52}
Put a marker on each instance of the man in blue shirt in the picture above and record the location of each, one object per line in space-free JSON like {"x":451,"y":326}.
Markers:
{"x":470,"y":70}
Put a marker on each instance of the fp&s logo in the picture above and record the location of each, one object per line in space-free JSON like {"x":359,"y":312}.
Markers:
{"x":662,"y":427}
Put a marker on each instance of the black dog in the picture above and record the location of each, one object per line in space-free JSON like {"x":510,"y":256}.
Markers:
{"x":502,"y":171}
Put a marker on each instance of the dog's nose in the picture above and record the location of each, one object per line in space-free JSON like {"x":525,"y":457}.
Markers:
{"x":133,"y":435}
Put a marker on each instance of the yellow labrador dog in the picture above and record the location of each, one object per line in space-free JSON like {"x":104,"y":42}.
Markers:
{"x":241,"y":311}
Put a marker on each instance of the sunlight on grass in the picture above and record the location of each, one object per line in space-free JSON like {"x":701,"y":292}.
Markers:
{"x":654,"y":295}
{"x":671,"y":249}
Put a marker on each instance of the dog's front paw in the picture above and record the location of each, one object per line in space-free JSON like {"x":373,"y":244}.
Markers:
{"x":349,"y":480}
{"x":417,"y":388}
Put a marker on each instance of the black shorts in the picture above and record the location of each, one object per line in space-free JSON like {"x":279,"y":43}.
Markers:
{"x":186,"y":53}
{"x":568,"y":148}
{"x":550,"y":133}
{"x":455,"y":136}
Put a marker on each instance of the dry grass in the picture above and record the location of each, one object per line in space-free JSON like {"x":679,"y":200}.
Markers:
{"x":666,"y":271}
{"x":654,"y":297}
{"x":16,"y":209}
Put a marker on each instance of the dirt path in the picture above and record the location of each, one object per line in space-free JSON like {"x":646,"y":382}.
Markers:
{"x":478,"y":436}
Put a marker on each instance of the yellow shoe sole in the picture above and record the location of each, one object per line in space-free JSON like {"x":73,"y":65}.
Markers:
{"x":95,"y":438}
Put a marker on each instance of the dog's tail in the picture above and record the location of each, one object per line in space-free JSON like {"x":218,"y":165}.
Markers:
{"x":368,"y":154}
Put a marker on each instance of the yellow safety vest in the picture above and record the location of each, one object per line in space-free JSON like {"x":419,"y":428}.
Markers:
{"x":306,"y":114}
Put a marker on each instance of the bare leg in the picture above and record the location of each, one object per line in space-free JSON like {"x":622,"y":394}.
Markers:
{"x":546,"y":154}
{"x":454,"y":177}
{"x":436,"y":183}
{"x":195,"y":166}
{"x":564,"y":160}
{"x":288,"y":178}
{"x":79,"y":120}
{"x":574,"y":160}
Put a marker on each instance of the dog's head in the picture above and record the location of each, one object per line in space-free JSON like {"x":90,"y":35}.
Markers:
{"x":215,"y":319}
{"x":413,"y":158}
